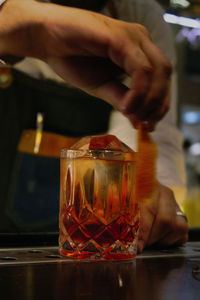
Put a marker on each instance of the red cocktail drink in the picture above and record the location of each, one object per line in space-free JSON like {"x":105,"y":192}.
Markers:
{"x":99,"y":217}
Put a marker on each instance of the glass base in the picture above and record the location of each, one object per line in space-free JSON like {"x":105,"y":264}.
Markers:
{"x":117,"y":251}
{"x":92,"y":256}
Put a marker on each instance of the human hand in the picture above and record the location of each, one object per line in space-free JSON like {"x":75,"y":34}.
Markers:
{"x":92,"y":52}
{"x":159,"y":225}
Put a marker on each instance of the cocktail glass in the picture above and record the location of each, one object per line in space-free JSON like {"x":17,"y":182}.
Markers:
{"x":99,"y":216}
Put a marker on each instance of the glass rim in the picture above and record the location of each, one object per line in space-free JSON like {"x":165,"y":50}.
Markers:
{"x":77,"y":153}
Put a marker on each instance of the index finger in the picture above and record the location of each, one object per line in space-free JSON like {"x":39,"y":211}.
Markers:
{"x":148,"y":215}
{"x":150,"y":74}
{"x":160,"y":84}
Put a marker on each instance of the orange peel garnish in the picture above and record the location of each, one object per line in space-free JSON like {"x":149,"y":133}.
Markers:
{"x":146,"y":181}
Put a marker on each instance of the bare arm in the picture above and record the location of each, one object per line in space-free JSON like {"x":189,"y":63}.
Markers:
{"x":92,"y":52}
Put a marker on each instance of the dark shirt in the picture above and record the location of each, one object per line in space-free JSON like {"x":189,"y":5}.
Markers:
{"x":66,"y":111}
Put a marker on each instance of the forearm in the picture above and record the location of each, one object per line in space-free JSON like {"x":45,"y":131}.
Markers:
{"x":17,"y":24}
{"x":91,"y":51}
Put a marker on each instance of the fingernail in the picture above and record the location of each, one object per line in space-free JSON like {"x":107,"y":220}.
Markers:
{"x":140,"y":246}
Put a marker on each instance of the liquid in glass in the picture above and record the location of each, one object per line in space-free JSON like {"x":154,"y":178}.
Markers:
{"x":99,"y":217}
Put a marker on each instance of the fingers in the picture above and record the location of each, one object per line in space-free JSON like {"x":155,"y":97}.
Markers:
{"x":148,"y":97}
{"x":160,"y":224}
{"x":165,"y":216}
{"x":131,"y":58}
{"x":178,"y":234}
{"x":157,"y":100}
{"x":111,"y":91}
{"x":121,"y":97}
{"x":148,"y":213}
{"x":125,"y":46}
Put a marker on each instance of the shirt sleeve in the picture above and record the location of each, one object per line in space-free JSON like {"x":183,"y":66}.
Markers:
{"x":170,"y":163}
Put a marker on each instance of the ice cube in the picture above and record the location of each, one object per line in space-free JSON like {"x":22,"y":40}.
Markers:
{"x":101,"y":142}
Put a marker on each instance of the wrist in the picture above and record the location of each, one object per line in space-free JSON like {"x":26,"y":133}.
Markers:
{"x":18,"y":24}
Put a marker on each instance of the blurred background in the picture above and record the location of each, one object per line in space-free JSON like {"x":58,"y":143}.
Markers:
{"x":184,"y":19}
